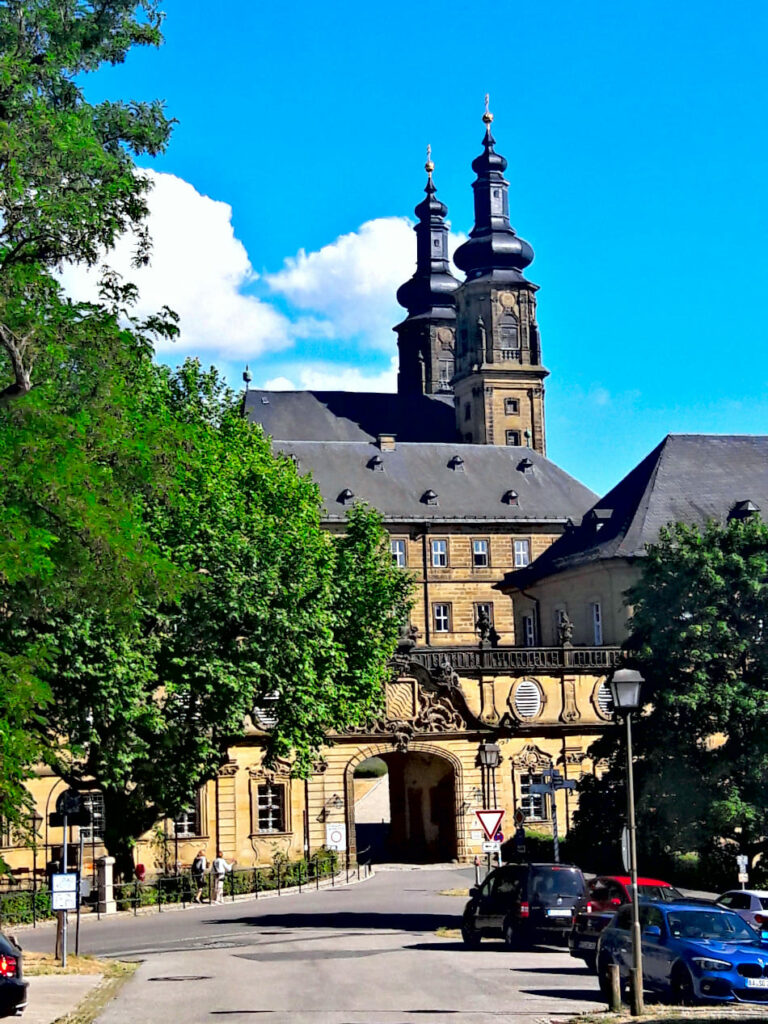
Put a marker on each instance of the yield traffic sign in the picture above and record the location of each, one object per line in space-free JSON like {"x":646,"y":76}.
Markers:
{"x":490,"y":820}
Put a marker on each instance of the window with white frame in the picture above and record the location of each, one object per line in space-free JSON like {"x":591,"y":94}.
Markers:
{"x":533,"y":805}
{"x":480,"y":554}
{"x":522,"y":552}
{"x":187,"y":822}
{"x":441,"y":614}
{"x":271,"y":807}
{"x":529,"y":631}
{"x":511,"y":406}
{"x":397,"y":548}
{"x":439,"y":554}
{"x":8,"y":834}
{"x":597,"y":622}
{"x":513,"y":438}
{"x":94,"y":802}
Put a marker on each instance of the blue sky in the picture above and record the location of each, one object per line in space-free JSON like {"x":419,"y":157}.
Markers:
{"x":637,"y":146}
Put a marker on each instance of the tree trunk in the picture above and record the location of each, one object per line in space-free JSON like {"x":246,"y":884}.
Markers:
{"x":126,"y":819}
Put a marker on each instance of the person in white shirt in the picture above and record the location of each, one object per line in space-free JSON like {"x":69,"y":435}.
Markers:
{"x":219,"y":869}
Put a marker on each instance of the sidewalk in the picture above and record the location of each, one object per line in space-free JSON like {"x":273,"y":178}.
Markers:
{"x":52,"y":996}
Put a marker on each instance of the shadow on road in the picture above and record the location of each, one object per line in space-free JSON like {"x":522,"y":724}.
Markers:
{"x":576,"y":994}
{"x":554,"y":970}
{"x":348,"y":921}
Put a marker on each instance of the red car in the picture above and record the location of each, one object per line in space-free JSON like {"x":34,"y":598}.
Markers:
{"x":605,"y":895}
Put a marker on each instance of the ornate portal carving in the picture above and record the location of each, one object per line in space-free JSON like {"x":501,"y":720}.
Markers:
{"x":570,"y":711}
{"x":413,"y":709}
{"x":531,"y":758}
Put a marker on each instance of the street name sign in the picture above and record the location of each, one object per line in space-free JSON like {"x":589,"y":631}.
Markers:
{"x":490,"y":820}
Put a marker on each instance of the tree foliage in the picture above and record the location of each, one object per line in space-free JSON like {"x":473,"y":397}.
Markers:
{"x":280,"y":613}
{"x":699,"y":635}
{"x":68,"y":183}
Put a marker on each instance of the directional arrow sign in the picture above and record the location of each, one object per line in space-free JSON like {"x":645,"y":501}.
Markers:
{"x":490,"y":820}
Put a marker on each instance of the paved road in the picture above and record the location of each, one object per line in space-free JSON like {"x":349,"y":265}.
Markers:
{"x":363,"y":954}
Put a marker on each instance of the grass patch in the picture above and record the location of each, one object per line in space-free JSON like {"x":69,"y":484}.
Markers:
{"x":36,"y":964}
{"x":116,"y":973}
{"x":448,"y":933}
{"x":454,"y":892}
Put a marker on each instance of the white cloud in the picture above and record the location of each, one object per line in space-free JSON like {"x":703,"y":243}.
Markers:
{"x":352,"y":282}
{"x":342,"y":293}
{"x":198,"y":268}
{"x":327,"y":377}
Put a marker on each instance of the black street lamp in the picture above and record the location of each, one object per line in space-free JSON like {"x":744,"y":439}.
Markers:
{"x":625,"y":684}
{"x":489,"y":759}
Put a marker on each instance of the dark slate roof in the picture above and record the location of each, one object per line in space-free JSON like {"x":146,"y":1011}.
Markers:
{"x":689,"y":478}
{"x":351,"y":415}
{"x":473,"y":491}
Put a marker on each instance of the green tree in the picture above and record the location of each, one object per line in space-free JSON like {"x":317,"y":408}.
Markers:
{"x":282,"y":614}
{"x":68,"y":183}
{"x":699,"y":635}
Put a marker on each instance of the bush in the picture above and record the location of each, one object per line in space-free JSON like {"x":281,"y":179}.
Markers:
{"x":16,"y":907}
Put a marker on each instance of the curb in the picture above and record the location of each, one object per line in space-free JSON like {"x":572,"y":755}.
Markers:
{"x":173,"y":908}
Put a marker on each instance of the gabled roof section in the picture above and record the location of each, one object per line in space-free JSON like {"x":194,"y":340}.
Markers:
{"x":350,"y":415}
{"x":419,"y":482}
{"x":689,"y":478}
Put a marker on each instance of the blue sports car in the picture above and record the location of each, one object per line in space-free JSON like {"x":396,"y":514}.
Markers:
{"x":691,"y":952}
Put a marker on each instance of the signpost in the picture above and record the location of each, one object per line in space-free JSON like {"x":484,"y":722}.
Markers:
{"x":743,"y":864}
{"x":491,"y":823}
{"x":552,"y":781}
{"x":64,"y":886}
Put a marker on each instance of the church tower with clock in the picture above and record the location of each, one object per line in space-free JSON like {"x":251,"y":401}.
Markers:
{"x":499,"y":377}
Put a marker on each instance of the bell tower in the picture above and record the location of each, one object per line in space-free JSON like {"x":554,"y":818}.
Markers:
{"x":426,"y":338}
{"x":499,"y":376}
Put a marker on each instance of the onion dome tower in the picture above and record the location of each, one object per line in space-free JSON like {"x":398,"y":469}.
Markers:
{"x":498,"y":380}
{"x":426,"y":338}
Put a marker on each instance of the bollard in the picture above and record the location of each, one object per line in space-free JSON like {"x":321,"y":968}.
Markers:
{"x":636,"y":993}
{"x":614,"y":996}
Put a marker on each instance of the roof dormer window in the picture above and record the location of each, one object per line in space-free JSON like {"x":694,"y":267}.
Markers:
{"x":429,"y":497}
{"x":456,"y":463}
{"x":346,"y":497}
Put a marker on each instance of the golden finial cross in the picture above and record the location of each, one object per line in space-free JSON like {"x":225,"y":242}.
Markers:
{"x":429,"y":166}
{"x":487,"y":116}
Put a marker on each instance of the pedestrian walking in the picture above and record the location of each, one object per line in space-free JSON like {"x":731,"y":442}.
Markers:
{"x":199,"y":868}
{"x":219,"y":869}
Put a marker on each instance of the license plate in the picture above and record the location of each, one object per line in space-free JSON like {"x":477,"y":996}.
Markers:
{"x":757,"y":982}
{"x":559,"y":913}
{"x":586,"y":944}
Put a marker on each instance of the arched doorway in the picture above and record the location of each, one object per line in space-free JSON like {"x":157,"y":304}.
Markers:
{"x":407,"y":812}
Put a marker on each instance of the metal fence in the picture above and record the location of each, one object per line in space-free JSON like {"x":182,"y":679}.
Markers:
{"x":29,"y":905}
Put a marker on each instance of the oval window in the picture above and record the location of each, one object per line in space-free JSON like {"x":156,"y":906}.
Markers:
{"x":527,"y":699}
{"x":605,"y":700}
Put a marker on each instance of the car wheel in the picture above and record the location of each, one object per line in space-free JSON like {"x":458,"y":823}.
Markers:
{"x":682,"y":987}
{"x":470,"y":937}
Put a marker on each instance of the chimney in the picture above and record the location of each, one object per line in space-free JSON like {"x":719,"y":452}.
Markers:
{"x":386,"y":442}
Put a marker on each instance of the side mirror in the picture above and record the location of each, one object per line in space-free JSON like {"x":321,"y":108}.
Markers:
{"x":652,"y":932}
{"x":474,"y":892}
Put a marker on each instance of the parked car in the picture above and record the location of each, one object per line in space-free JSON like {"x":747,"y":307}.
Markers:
{"x":524,"y":903}
{"x":605,"y":895}
{"x":692,"y":951}
{"x":13,"y":987}
{"x":751,"y":904}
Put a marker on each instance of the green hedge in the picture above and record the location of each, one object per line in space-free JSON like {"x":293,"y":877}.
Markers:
{"x":17,"y":907}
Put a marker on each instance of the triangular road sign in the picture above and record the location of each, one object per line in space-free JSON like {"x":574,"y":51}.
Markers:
{"x":490,"y":820}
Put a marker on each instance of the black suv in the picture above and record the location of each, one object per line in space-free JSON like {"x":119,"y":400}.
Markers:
{"x":524,"y":903}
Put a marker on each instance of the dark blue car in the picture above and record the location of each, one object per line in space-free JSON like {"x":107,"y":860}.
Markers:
{"x":691,"y":952}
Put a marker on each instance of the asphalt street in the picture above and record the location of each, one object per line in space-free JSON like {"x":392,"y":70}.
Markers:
{"x":358,"y":954}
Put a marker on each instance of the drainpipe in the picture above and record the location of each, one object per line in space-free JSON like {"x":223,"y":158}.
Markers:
{"x":424,"y":566}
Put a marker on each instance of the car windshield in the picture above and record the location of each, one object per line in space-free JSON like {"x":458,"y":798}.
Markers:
{"x":557,"y":882}
{"x":708,"y":924}
{"x":659,"y":892}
